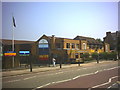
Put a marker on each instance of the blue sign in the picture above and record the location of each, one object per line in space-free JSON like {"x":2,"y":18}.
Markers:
{"x":24,"y":53}
{"x":9,"y":52}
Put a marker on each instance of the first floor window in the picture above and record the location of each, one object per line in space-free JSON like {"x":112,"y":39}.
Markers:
{"x":76,"y":55}
{"x":68,"y":45}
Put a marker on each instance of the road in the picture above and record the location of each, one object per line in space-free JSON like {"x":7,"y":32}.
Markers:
{"x":75,"y":77}
{"x":98,"y":79}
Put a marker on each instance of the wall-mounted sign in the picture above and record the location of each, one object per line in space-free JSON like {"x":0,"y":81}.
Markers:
{"x":24,"y":53}
{"x":43,"y":43}
{"x":10,"y":53}
{"x":43,"y":57}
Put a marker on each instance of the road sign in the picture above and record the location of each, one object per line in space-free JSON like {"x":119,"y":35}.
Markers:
{"x":10,"y":53}
{"x":24,"y":53}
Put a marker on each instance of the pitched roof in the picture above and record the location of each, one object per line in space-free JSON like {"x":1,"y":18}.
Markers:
{"x":9,"y":42}
{"x":88,"y":39}
{"x":60,"y":38}
{"x":50,"y":37}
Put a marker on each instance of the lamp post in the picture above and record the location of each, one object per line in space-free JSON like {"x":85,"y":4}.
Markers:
{"x":98,"y":57}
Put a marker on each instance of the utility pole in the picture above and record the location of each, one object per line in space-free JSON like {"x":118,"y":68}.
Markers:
{"x":98,"y":58}
{"x":79,"y":62}
{"x":13,"y":25}
{"x":30,"y":60}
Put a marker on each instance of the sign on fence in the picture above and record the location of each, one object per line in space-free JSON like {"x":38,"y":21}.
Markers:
{"x":24,"y":53}
{"x":10,"y":53}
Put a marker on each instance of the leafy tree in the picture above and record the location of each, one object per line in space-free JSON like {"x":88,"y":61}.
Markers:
{"x":99,"y":40}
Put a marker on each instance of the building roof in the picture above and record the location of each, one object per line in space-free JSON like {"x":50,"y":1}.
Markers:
{"x":59,"y":38}
{"x":88,"y":39}
{"x":9,"y":42}
{"x":113,"y":34}
{"x":50,"y":37}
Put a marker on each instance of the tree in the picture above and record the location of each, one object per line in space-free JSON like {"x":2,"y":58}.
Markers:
{"x":99,"y":40}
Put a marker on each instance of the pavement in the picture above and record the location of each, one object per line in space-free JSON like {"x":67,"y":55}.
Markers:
{"x":43,"y":69}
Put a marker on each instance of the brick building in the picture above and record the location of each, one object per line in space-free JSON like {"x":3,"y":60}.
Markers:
{"x":19,"y":46}
{"x":69,"y":49}
{"x":111,"y":39}
{"x":47,"y":47}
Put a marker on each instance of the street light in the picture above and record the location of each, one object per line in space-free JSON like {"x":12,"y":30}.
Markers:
{"x":98,"y":57}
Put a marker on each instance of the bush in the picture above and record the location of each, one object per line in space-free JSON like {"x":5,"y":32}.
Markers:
{"x":88,"y":59}
{"x":113,"y":56}
{"x":85,"y":55}
{"x":95,"y":56}
{"x":106,"y":55}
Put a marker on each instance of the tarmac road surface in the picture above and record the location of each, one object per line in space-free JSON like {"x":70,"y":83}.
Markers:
{"x":88,"y":76}
{"x":98,"y":79}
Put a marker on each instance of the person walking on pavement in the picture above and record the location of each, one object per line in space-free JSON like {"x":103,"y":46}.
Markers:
{"x":54,"y":62}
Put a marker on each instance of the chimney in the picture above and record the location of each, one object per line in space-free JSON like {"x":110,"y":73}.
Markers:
{"x":108,"y":33}
{"x":53,"y":41}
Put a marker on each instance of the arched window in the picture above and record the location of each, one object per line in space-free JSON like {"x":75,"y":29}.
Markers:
{"x":43,"y":43}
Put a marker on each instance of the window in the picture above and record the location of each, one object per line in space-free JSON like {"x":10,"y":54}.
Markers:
{"x":84,"y":46}
{"x":100,"y":46}
{"x":77,"y":46}
{"x":68,"y":45}
{"x":81,"y":55}
{"x":106,"y":48}
{"x":43,"y":43}
{"x":73,"y":45}
{"x":76,"y":55}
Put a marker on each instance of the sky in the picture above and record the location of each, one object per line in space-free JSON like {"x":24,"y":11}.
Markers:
{"x":62,"y":19}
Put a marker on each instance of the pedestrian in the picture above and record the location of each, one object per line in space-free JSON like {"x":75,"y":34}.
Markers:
{"x":54,"y":62}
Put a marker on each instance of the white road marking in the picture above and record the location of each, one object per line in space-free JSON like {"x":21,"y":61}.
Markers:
{"x":105,"y":83}
{"x":63,"y":81}
{"x":85,"y":75}
{"x":113,"y":68}
{"x":97,"y":72}
{"x":51,"y":83}
{"x":42,"y":86}
{"x":12,"y":81}
{"x":29,"y":77}
{"x":78,"y":77}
